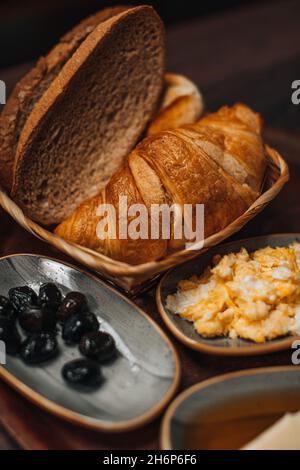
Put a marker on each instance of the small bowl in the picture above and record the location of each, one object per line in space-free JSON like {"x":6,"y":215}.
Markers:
{"x":138,"y":384}
{"x":229,"y":411}
{"x":184,"y":330}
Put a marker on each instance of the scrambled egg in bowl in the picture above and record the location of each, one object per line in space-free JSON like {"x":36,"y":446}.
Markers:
{"x":255,"y":296}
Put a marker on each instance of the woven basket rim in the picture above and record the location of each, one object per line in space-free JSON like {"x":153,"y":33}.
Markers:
{"x":112,"y":268}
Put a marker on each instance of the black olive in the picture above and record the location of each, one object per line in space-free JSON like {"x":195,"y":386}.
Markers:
{"x":78,"y":325}
{"x":49,"y":296}
{"x":20,"y":297}
{"x":7,"y":309}
{"x":38,"y":348}
{"x":10,"y":336}
{"x":98,"y":345}
{"x":82,"y":372}
{"x":73,"y":302}
{"x":34,"y":319}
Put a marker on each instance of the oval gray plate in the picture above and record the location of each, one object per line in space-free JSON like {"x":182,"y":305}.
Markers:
{"x":195,"y":419}
{"x":138,"y":384}
{"x":184,"y":330}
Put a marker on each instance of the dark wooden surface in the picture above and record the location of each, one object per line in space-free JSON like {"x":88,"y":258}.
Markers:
{"x":251,"y":55}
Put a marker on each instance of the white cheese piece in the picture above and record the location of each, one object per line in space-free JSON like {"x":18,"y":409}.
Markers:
{"x":283,"y":435}
{"x":282,"y":273}
{"x":180,"y":301}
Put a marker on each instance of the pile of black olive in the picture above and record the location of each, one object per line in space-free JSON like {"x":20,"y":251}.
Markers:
{"x":41,"y":317}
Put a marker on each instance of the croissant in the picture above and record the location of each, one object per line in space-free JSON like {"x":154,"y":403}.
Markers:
{"x":219,"y":161}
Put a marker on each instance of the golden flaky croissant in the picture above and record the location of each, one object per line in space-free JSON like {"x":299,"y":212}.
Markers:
{"x":218,"y":161}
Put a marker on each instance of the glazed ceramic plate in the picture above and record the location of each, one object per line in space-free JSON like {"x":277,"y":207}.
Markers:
{"x":229,"y":411}
{"x":184,"y":330}
{"x":137,"y":385}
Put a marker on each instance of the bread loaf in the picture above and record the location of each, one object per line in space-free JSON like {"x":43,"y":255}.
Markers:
{"x":31,"y":87}
{"x":218,"y":161}
{"x":90,"y":116}
{"x":182,"y":104}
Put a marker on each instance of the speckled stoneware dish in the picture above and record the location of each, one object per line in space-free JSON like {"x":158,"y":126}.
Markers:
{"x":229,"y":411}
{"x":138,"y":383}
{"x":184,"y":330}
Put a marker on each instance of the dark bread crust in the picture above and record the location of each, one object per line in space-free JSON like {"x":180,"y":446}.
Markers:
{"x":32,"y":86}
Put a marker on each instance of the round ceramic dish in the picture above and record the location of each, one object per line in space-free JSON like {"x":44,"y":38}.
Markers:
{"x":228,"y":411}
{"x":184,"y":330}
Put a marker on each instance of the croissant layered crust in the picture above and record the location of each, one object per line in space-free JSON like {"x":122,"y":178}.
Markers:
{"x":219,"y":161}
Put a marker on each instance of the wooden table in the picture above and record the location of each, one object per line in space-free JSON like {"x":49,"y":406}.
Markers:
{"x":250,"y":55}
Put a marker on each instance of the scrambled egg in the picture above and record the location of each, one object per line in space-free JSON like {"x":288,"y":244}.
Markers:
{"x":255,"y":296}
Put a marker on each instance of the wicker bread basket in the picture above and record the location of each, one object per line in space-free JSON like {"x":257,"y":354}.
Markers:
{"x":132,"y":279}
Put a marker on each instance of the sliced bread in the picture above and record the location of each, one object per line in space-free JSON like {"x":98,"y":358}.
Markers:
{"x":31,"y":87}
{"x":91,"y":116}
